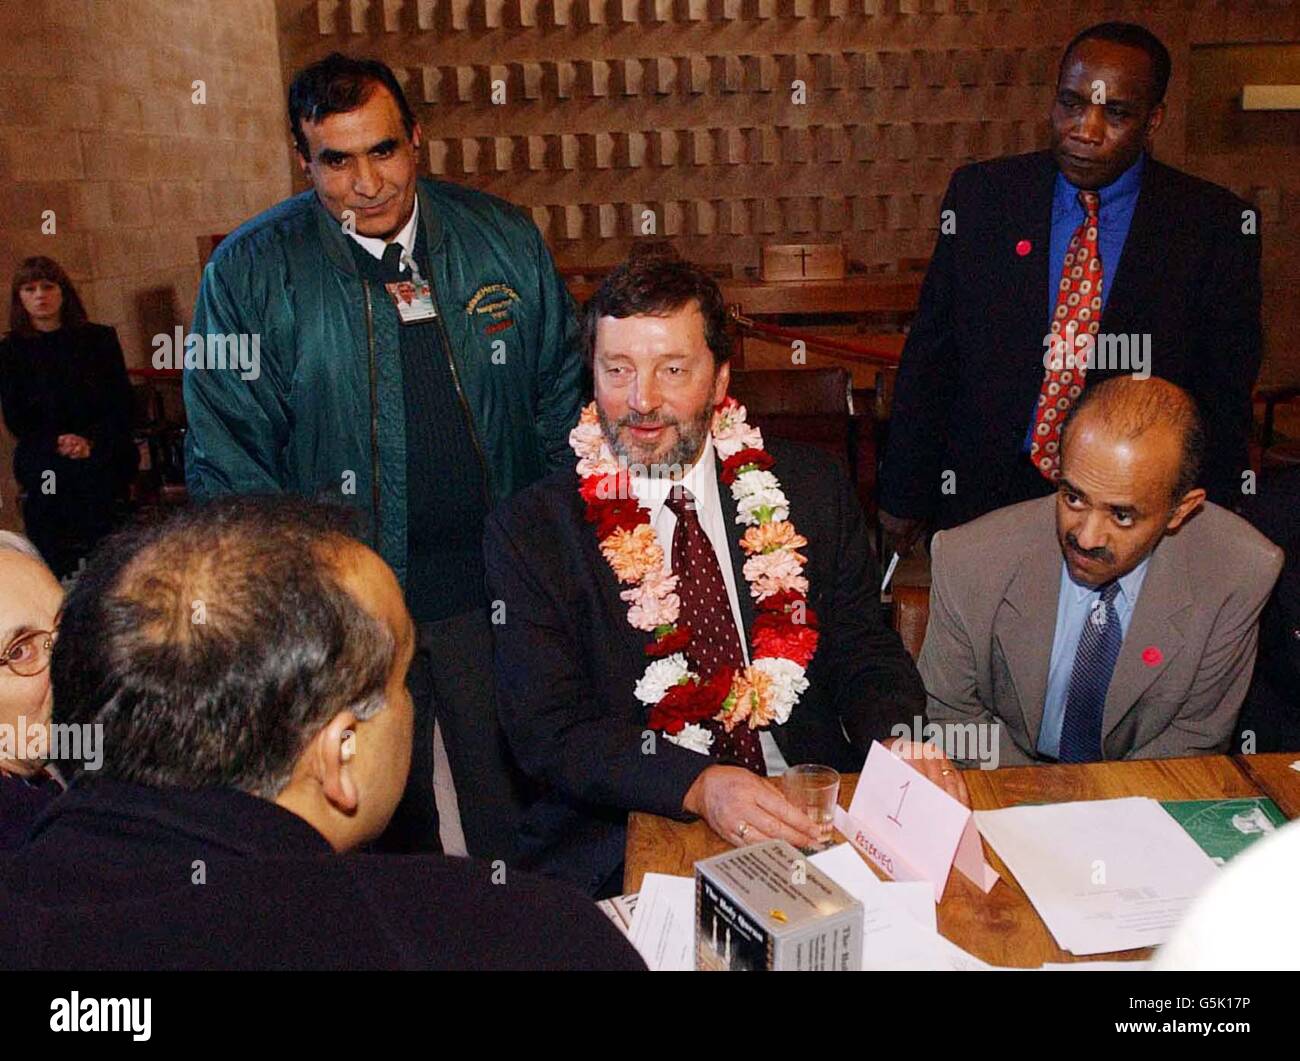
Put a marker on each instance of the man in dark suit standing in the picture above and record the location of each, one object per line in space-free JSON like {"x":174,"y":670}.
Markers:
{"x":1089,"y":248}
{"x":1270,"y":716}
{"x":643,"y":663}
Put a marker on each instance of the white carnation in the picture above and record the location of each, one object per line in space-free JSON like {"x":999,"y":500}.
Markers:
{"x":693,"y":738}
{"x":770,"y":498}
{"x":661,"y":676}
{"x":752,"y":482}
{"x":733,"y":436}
{"x":788,"y":684}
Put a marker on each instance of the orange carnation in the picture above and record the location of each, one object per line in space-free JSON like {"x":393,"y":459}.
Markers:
{"x":767,"y":537}
{"x":751,"y":700}
{"x":633,"y":554}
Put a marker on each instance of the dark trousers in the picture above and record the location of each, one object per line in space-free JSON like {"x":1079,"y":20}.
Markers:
{"x":451,"y":682}
{"x":66,"y":526}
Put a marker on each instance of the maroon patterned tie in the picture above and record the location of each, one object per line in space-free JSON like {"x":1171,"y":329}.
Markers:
{"x":707,"y":611}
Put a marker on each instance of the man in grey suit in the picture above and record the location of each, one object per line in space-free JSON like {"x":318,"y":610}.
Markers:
{"x":1116,"y":619}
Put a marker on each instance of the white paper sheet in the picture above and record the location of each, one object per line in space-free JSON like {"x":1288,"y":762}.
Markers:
{"x":663,"y":923}
{"x":1104,"y":875}
{"x":619,"y":910}
{"x":899,"y":928}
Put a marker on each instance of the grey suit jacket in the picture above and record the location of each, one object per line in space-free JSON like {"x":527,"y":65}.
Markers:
{"x":993,"y":601}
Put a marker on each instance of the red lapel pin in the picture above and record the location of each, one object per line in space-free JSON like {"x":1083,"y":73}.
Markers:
{"x":1152,"y":656}
{"x":1024,"y":247}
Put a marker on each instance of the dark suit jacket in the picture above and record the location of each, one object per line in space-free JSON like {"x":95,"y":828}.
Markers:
{"x":82,"y":389}
{"x":21,"y":803}
{"x":973,"y":363}
{"x":567,"y":661}
{"x":1271,"y":713}
{"x":110,"y":879}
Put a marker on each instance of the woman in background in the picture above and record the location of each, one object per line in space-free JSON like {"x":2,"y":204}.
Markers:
{"x":67,"y":399}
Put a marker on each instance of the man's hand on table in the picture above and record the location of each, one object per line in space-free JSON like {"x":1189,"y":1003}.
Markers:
{"x":930,"y":761}
{"x":74,"y":447}
{"x":901,"y":533}
{"x":742,"y":808}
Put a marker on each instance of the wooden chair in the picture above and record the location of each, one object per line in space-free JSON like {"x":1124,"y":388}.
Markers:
{"x":809,"y":405}
{"x":1274,"y":454}
{"x":911,"y":615}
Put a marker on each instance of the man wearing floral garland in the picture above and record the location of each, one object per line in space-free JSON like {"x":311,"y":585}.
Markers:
{"x":688,"y":610}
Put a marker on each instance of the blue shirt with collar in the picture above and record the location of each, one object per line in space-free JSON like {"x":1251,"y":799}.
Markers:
{"x":1114,"y":217}
{"x":1074,"y":604}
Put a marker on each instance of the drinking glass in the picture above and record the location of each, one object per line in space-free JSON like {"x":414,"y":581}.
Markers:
{"x":815,"y":790}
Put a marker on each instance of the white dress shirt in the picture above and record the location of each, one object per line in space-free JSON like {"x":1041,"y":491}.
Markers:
{"x":375,"y":247}
{"x":702,"y":483}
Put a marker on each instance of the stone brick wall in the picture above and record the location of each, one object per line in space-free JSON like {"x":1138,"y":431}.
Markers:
{"x":98,"y":124}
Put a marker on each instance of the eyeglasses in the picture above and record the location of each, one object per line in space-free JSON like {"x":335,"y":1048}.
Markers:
{"x":28,"y":655}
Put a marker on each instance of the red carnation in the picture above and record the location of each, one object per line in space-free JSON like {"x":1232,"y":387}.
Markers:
{"x":610,"y":504}
{"x":783,"y":605}
{"x":732,"y":465}
{"x":690,"y":702}
{"x":601,"y":489}
{"x":778,"y":602}
{"x":675,"y":641}
{"x":792,"y":641}
{"x":617,"y":515}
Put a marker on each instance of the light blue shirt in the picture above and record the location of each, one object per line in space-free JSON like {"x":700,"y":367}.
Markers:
{"x":1074,"y":604}
{"x":1118,"y":200}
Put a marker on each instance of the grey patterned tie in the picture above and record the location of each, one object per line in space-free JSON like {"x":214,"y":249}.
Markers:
{"x":1094,"y":663}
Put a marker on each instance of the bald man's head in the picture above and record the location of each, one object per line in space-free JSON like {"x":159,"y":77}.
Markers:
{"x":1126,"y":407}
{"x":213,"y":645}
{"x":1130,"y":457}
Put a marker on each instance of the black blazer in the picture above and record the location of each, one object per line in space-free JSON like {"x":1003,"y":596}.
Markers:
{"x":21,"y":803}
{"x":125,"y":876}
{"x":567,"y":661}
{"x":1270,"y":715}
{"x":72,"y":381}
{"x":973,"y":363}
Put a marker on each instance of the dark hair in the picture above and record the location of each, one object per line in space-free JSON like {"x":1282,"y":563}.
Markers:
{"x":655,"y":281}
{"x":229,"y":696}
{"x":1134,"y":36}
{"x":1129,"y":406}
{"x":338,"y":84}
{"x":73,"y":313}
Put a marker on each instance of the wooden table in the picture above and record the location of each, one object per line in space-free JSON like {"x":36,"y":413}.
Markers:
{"x":1272,"y":772}
{"x":1002,"y":927}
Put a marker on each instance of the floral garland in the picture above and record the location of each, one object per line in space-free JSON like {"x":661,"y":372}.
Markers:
{"x":785,"y":631}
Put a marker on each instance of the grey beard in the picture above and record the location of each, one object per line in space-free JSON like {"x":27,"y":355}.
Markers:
{"x":673,"y":464}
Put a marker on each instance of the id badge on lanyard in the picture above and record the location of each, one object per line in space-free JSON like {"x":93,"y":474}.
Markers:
{"x":412,"y":298}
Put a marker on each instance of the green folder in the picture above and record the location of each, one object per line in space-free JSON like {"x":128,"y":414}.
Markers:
{"x":1224,"y":828}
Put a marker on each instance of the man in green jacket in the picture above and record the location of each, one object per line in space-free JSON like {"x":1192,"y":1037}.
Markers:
{"x":413,"y":354}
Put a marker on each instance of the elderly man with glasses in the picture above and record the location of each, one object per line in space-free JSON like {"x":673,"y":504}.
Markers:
{"x":30,"y":600}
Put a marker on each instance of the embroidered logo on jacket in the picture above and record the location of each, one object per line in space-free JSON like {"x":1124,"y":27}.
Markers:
{"x":493,"y":300}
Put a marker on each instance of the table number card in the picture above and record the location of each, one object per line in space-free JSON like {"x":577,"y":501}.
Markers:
{"x":910,"y":827}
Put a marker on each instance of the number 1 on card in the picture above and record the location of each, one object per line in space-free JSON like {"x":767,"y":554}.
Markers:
{"x":902,"y":796}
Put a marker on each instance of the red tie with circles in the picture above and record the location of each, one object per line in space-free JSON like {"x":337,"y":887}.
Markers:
{"x":1078,"y":310}
{"x":707,"y":611}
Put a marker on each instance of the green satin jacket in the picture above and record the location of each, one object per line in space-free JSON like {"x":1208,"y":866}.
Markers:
{"x":314,"y":402}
